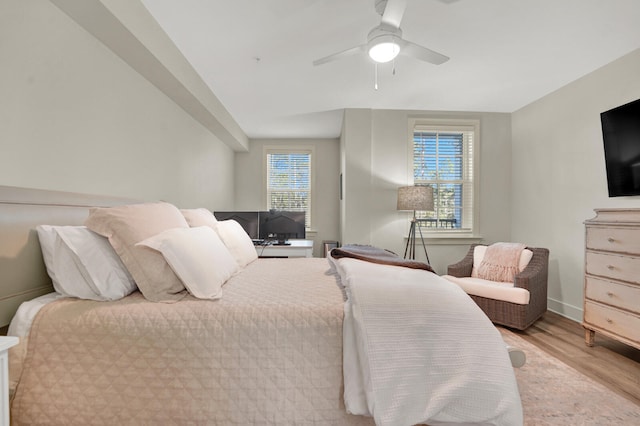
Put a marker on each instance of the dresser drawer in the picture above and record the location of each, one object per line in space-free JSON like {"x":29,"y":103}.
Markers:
{"x":620,"y":240}
{"x":612,"y":320}
{"x":619,"y":267}
{"x":623,"y":296}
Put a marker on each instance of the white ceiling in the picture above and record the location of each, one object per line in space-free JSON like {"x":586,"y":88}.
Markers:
{"x":256,"y":55}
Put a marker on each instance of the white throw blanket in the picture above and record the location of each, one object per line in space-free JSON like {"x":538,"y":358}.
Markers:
{"x":417,"y":349}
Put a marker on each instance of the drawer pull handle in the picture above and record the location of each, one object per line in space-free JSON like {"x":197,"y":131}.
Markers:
{"x":611,"y":267}
{"x":609,"y":320}
{"x":610,"y":294}
{"x":611,"y":240}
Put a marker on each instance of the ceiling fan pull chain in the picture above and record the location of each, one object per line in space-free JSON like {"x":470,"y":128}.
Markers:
{"x":393,"y":68}
{"x":375,"y":73}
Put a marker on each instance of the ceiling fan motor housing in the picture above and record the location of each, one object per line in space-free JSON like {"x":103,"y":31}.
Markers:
{"x":384,"y":30}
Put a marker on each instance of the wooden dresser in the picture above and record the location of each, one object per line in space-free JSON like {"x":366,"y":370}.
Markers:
{"x":612,"y":276}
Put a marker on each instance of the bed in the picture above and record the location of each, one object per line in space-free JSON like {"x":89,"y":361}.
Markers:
{"x":280,"y":346}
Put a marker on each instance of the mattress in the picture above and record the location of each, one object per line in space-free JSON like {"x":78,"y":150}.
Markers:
{"x":268,"y":352}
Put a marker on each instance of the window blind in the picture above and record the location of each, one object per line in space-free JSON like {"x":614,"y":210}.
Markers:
{"x":443,"y":159}
{"x":289,"y":182}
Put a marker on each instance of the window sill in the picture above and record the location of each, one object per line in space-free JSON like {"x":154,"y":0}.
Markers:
{"x":447,"y":239}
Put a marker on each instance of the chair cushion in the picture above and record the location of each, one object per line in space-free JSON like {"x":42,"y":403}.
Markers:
{"x":479,"y":252}
{"x":505,"y":292}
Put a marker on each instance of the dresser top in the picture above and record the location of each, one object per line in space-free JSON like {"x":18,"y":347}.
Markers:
{"x":616,"y":216}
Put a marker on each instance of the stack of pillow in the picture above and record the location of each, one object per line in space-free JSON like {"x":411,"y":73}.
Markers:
{"x":154,"y":247}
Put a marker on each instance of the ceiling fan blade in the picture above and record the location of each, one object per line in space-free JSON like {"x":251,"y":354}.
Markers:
{"x":422,"y":53}
{"x":345,"y":53}
{"x":393,"y":12}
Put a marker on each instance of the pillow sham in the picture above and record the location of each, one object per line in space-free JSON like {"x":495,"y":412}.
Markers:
{"x":200,"y":217}
{"x":237,"y":241}
{"x":83,"y":264}
{"x":198,"y":257}
{"x":127,"y":225}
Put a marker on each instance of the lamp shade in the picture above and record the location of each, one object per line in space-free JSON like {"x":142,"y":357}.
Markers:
{"x":415,"y":198}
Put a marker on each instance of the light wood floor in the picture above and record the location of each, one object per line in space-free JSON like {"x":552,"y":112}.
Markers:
{"x":611,"y":363}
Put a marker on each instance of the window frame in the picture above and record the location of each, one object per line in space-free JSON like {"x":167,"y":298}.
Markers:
{"x":443,"y":125}
{"x":290,"y":149}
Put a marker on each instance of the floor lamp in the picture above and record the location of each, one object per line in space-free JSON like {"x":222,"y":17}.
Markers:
{"x":415,"y":198}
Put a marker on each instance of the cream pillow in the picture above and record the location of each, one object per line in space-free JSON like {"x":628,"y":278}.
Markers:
{"x":127,"y":225}
{"x":237,"y":241}
{"x":198,"y":257}
{"x":200,"y":217}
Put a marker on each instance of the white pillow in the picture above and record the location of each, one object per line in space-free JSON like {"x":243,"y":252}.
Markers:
{"x":200,"y":217}
{"x":237,"y":241}
{"x":198,"y":257}
{"x":83,"y":264}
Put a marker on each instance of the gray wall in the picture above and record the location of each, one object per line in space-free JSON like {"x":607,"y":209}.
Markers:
{"x":249,"y":181}
{"x":375,"y":162}
{"x":559,"y":172}
{"x":75,"y":117}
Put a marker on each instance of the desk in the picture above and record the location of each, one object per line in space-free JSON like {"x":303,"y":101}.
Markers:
{"x":297,"y":248}
{"x":5,"y":344}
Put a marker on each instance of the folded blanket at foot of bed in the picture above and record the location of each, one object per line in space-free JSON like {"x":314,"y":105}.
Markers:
{"x":417,"y":349}
{"x":377,"y":255}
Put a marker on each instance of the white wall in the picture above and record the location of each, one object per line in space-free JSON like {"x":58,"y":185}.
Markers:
{"x":559,"y":173}
{"x":249,"y":181}
{"x":75,"y":117}
{"x":375,"y":150}
{"x":355,"y":167}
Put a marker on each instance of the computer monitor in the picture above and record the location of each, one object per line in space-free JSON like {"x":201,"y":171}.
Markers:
{"x":249,"y":221}
{"x":282,"y":225}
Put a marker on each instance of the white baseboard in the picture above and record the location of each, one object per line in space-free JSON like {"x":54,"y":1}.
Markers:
{"x":569,"y":311}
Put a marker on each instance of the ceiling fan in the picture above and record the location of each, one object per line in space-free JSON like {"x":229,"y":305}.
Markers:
{"x":385,"y":41}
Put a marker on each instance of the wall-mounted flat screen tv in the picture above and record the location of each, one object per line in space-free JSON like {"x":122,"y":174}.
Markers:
{"x":621,"y":136}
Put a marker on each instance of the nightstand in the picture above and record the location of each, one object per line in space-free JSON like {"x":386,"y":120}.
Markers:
{"x":5,"y":343}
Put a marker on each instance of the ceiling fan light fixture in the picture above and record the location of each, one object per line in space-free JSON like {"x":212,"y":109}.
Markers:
{"x":384,"y":49}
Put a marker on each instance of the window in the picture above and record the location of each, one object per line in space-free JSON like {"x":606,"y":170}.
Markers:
{"x":289,"y":180}
{"x":443,"y":158}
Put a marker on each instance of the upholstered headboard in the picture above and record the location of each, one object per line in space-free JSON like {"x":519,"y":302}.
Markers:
{"x":22,"y":272}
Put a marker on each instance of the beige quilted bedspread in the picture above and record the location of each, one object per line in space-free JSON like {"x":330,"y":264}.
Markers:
{"x":268,"y":352}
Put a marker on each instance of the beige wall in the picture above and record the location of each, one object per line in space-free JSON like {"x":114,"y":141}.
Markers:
{"x":375,"y":162}
{"x":559,"y":172}
{"x":249,"y":181}
{"x":355,"y":165}
{"x":75,"y":117}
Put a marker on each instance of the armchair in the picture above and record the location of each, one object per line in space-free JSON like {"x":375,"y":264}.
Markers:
{"x":516,"y":305}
